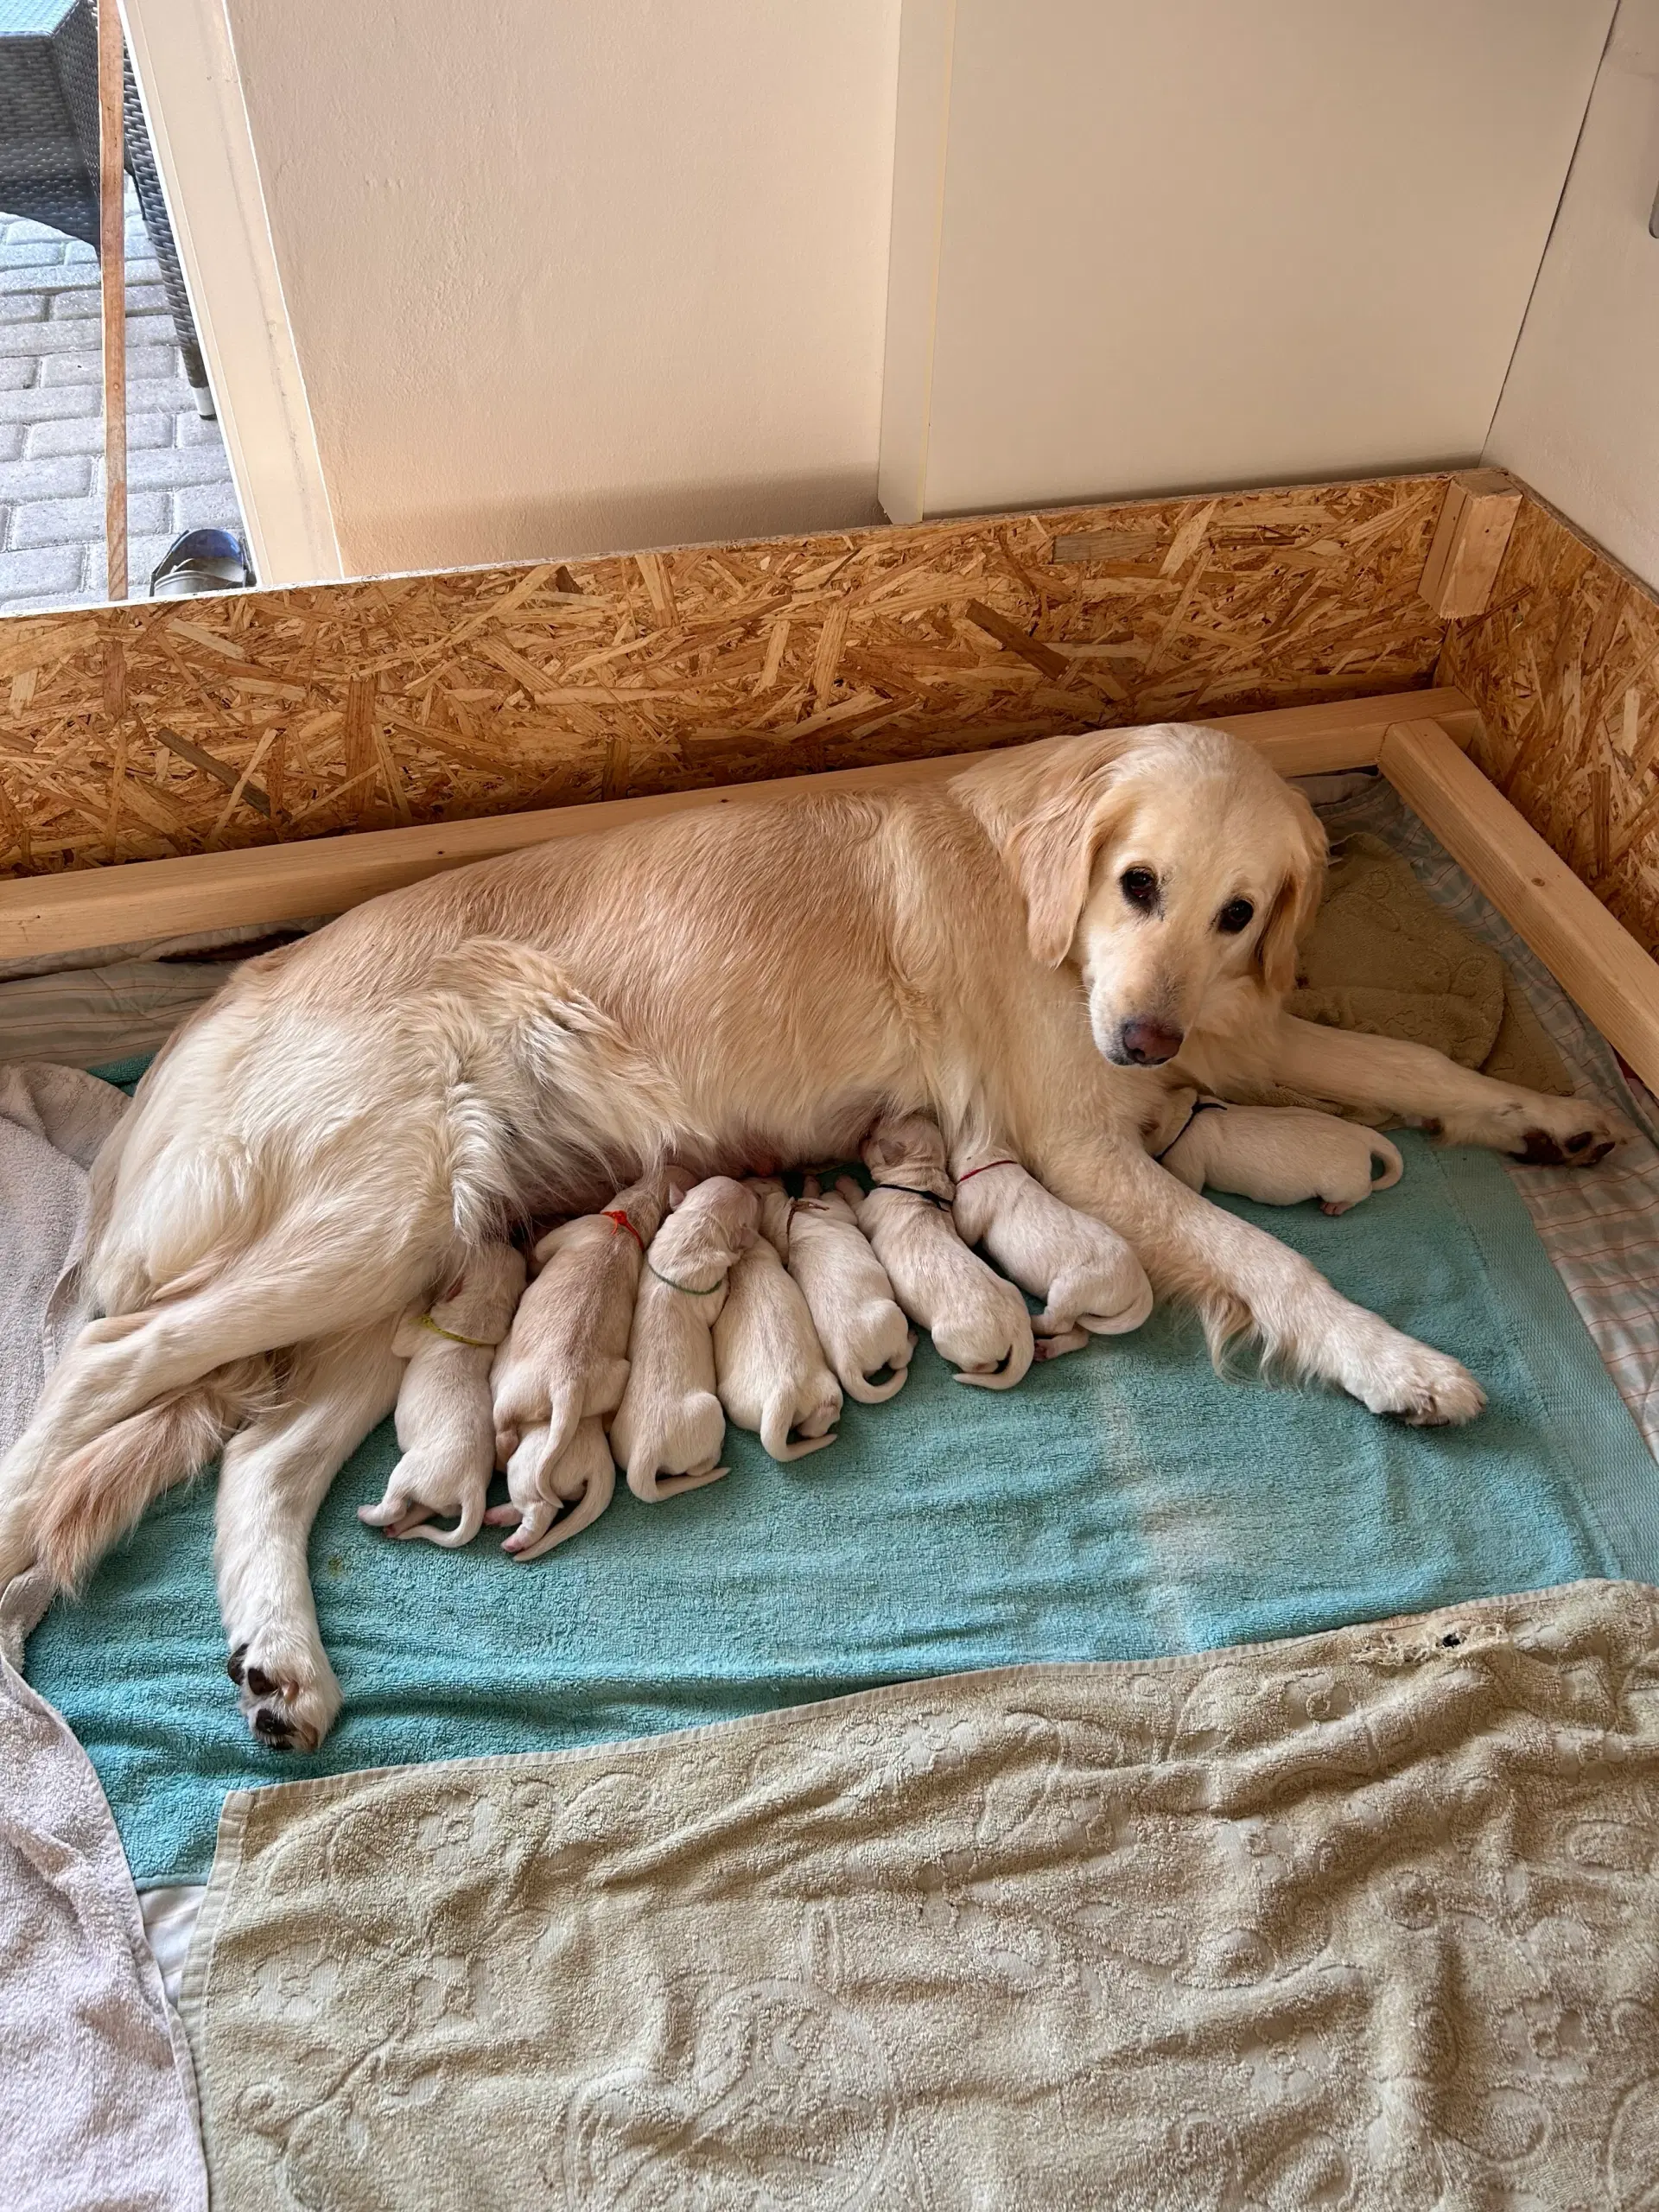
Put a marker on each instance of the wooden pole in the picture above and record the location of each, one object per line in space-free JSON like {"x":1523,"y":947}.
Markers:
{"x":112,"y":257}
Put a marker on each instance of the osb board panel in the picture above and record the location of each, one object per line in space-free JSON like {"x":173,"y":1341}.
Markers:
{"x":1564,"y":665}
{"x":130,"y":733}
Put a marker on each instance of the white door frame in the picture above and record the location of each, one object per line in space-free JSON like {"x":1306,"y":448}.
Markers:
{"x":185,"y":63}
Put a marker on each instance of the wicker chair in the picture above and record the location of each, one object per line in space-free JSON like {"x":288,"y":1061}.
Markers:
{"x":48,"y":146}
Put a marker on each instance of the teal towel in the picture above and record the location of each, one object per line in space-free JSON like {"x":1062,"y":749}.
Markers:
{"x":1122,"y":1502}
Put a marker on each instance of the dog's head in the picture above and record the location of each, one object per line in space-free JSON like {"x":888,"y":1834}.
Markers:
{"x":908,"y":1148}
{"x":1164,"y":862}
{"x":717,"y":1220}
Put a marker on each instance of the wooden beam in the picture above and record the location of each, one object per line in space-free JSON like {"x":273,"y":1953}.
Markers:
{"x":323,"y":875}
{"x":112,"y":277}
{"x":1476,"y":518}
{"x":1596,"y":962}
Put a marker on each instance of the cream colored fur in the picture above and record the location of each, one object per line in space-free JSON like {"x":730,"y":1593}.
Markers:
{"x":566,"y":1357}
{"x":446,"y":1429}
{"x":1282,"y":1155}
{"x":978,"y":1321}
{"x":1088,"y":1276}
{"x":554,"y":1498}
{"x":848,"y":1293}
{"x":670,"y":1427}
{"x":323,"y":1146}
{"x":770,"y":1369}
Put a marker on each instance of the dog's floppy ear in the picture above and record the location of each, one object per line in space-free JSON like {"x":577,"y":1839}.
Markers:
{"x":681,"y":1184}
{"x":1293,"y":911}
{"x":1049,"y":828}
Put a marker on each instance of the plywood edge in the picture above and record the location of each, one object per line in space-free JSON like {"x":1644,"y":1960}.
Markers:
{"x":1595,"y":960}
{"x":286,"y":883}
{"x":1476,"y":515}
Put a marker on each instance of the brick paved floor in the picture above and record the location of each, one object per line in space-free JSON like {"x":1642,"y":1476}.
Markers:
{"x":52,"y":429}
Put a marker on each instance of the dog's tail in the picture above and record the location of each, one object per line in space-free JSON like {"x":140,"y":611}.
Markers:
{"x":514,"y":1423}
{"x":857,"y":1384}
{"x":101,"y":1491}
{"x":1393,"y":1167}
{"x":875,"y":1394}
{"x":595,"y":1497}
{"x":775,"y":1425}
{"x":651,"y":1487}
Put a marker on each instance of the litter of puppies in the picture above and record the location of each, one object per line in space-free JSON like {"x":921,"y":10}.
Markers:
{"x":647,"y":1327}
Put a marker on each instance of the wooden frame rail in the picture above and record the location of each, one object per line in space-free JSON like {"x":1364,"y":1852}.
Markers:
{"x":1594,"y":958}
{"x":94,"y":907}
{"x":1413,"y":737}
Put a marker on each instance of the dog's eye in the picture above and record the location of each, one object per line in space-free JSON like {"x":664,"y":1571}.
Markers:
{"x":1234,"y":916}
{"x":1140,"y":886}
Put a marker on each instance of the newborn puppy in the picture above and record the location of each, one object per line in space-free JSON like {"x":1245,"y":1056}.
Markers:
{"x":1282,"y":1155}
{"x":770,"y":1365}
{"x":553,"y":1499}
{"x":444,"y":1420}
{"x":669,"y":1428}
{"x":566,"y":1359}
{"x":977,"y":1320}
{"x":1091,"y":1278}
{"x":845,"y":1289}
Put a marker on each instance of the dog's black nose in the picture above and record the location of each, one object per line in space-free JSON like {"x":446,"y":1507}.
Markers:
{"x":1148,"y":1043}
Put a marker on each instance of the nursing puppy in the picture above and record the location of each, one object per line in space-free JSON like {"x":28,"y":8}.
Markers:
{"x":976,"y":1319}
{"x":769,"y":1365}
{"x":553,"y":1499}
{"x":1090,"y":1279}
{"x":847,"y":1293}
{"x":445,"y":1424}
{"x":1282,"y":1155}
{"x":566,"y":1358}
{"x":668,"y":1428}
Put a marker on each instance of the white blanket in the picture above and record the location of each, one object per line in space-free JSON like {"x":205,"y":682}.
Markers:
{"x":96,"y":2094}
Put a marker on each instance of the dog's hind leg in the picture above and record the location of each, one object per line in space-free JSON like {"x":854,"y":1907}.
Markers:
{"x":275,"y":1475}
{"x":267,"y":1298}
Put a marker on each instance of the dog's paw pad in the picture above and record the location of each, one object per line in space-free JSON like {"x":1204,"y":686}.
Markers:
{"x":287,"y":1694}
{"x":1540,"y":1149}
{"x":1567,"y":1133}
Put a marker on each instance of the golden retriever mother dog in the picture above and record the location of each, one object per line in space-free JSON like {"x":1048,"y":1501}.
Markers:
{"x":1025,"y":952}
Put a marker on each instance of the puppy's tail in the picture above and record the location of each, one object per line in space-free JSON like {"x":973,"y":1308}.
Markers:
{"x":857,"y":1385}
{"x":775,"y":1425}
{"x":514,"y":1423}
{"x":102,"y":1489}
{"x":595,"y":1497}
{"x":1393,"y":1167}
{"x":651,"y":1487}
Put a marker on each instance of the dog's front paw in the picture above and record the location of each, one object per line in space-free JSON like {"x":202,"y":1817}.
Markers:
{"x":1556,"y":1132}
{"x":287,"y":1689}
{"x":1425,"y":1388}
{"x":1592,"y":1140}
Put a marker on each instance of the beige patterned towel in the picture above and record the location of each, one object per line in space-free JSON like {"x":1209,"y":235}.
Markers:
{"x":1364,"y":1919}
